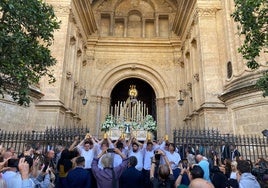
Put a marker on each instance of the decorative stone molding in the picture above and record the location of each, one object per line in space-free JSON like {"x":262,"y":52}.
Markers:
{"x":76,"y":117}
{"x":81,"y":91}
{"x":76,"y":84}
{"x":84,"y":62}
{"x":85,"y":47}
{"x":72,"y":17}
{"x":79,"y":34}
{"x":72,"y":40}
{"x":133,"y":67}
{"x":181,"y":62}
{"x":68,"y":75}
{"x":187,"y":118}
{"x":79,"y":52}
{"x":189,"y":85}
{"x":240,"y":86}
{"x":206,"y":12}
{"x":196,"y":77}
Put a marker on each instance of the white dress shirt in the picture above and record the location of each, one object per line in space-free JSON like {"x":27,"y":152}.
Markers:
{"x":147,"y":157}
{"x":173,"y":157}
{"x":139,"y":156}
{"x":88,"y":155}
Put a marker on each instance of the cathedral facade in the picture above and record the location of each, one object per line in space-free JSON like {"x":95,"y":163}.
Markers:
{"x":185,"y":50}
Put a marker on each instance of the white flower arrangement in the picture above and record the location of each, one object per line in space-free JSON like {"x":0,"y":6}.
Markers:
{"x":136,"y":126}
{"x":108,"y":124}
{"x":149,"y":123}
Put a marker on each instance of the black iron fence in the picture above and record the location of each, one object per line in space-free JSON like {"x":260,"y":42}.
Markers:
{"x":206,"y":140}
{"x":43,"y":139}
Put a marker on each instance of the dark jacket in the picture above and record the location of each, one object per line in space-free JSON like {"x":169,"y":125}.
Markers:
{"x":131,"y":178}
{"x":218,"y":178}
{"x":78,"y":178}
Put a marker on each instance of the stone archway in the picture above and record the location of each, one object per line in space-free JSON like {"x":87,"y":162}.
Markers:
{"x":110,"y":77}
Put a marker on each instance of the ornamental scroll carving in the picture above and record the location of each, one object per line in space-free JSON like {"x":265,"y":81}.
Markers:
{"x":206,"y":12}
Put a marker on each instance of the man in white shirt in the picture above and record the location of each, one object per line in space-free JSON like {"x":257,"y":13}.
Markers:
{"x":12,"y":177}
{"x":148,"y":150}
{"x":117,"y":158}
{"x":104,"y":145}
{"x":136,"y":150}
{"x":174,"y":158}
{"x":87,"y":149}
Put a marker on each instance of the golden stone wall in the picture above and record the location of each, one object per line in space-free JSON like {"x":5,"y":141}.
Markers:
{"x":172,"y":46}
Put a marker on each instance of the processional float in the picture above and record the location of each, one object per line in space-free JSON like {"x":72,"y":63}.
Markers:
{"x":128,"y":118}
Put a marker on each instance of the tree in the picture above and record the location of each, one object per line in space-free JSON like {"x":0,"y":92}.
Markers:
{"x":252,"y":16}
{"x":26,"y":32}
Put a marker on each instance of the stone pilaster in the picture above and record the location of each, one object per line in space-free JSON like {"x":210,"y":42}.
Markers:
{"x":211,"y":81}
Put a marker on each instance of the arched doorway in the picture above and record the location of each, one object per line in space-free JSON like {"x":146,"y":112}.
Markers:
{"x":104,"y":95}
{"x":145,"y":93}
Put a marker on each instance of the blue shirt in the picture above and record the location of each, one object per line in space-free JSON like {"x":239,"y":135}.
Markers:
{"x":205,"y":166}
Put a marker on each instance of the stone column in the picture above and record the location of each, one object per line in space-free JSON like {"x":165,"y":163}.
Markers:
{"x":167,"y":126}
{"x":111,"y":31}
{"x":125,"y":26}
{"x":98,"y":116}
{"x":157,"y":25}
{"x":93,"y":114}
{"x":143,"y":27}
{"x":211,"y":75}
{"x":160,"y":103}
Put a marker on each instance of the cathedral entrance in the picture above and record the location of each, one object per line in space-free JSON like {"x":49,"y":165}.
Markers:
{"x":132,"y":110}
{"x":145,"y":94}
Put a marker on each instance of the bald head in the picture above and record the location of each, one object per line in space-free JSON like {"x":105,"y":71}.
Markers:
{"x":200,"y":183}
{"x":199,"y":158}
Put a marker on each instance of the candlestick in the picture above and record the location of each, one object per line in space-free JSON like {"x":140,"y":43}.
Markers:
{"x":148,"y":136}
{"x":105,"y":136}
{"x":166,"y":137}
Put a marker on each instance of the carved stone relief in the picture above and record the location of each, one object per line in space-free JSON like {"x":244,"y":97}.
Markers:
{"x":204,"y":12}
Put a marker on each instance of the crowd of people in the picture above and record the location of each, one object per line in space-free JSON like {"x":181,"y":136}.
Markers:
{"x":106,"y":163}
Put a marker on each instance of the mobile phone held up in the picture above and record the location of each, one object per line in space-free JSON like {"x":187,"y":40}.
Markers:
{"x":110,"y":150}
{"x":45,"y":167}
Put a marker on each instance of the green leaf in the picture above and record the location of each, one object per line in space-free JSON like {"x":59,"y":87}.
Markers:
{"x":252,"y":17}
{"x":26,"y":33}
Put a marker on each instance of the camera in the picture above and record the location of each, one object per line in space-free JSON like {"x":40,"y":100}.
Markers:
{"x":184,"y":163}
{"x":13,"y":163}
{"x":110,"y":150}
{"x":45,"y":167}
{"x":157,"y":156}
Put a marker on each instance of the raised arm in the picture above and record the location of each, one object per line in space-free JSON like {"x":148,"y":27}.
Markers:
{"x":178,"y":180}
{"x":166,"y":160}
{"x":123,"y":156}
{"x":76,"y":139}
{"x":82,"y":141}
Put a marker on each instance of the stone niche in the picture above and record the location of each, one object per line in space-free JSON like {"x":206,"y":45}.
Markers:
{"x":135,"y":19}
